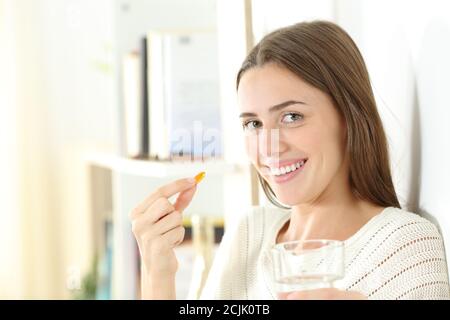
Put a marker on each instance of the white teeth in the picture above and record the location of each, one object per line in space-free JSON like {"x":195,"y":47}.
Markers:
{"x":287,"y":169}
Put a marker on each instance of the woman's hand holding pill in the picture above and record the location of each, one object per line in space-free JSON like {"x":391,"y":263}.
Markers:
{"x":157,"y":226}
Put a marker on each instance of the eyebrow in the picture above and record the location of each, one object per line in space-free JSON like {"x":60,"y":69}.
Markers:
{"x":274,"y":108}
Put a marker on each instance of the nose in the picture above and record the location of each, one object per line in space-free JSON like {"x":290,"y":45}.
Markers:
{"x":271,"y":143}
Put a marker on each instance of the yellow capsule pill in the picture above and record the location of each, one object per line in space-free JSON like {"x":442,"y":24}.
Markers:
{"x":200,"y":176}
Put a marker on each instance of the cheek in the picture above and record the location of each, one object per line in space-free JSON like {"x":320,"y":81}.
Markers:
{"x":251,"y":146}
{"x":332,"y":149}
{"x":325,"y":139}
{"x":305,"y":139}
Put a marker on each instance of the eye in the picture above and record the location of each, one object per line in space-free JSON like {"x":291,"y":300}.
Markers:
{"x":251,"y":125}
{"x":291,"y":117}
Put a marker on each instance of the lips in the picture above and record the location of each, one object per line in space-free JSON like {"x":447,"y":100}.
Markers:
{"x":281,"y":163}
{"x":282,"y":170}
{"x":277,"y":171}
{"x":285,"y":177}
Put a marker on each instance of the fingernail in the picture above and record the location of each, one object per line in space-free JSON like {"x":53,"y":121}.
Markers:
{"x":199,"y":177}
{"x":191,"y":180}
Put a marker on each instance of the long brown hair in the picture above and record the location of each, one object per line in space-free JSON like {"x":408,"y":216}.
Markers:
{"x":324,"y":55}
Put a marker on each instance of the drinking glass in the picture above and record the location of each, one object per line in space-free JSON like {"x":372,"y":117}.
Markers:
{"x":306,"y":264}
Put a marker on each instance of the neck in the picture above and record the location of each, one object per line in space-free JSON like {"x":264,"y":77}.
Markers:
{"x":334,"y":217}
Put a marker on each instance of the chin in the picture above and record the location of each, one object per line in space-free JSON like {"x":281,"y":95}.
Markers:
{"x":288,"y":200}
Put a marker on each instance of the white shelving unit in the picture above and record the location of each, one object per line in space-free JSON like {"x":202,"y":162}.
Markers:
{"x":162,"y":169}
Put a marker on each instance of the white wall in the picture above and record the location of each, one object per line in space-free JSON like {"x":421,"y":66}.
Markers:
{"x":406,"y":45}
{"x":62,"y":100}
{"x":77,"y":57}
{"x":270,"y":15}
{"x":10,"y":241}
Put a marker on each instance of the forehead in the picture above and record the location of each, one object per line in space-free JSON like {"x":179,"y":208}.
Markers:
{"x":261,"y":87}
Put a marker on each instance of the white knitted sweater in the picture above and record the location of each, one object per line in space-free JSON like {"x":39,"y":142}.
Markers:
{"x":396,"y":255}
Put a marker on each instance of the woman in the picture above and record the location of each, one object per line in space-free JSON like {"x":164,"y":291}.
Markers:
{"x":315,"y":137}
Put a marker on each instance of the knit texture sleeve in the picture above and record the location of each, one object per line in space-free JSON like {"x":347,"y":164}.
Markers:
{"x":412,"y":266}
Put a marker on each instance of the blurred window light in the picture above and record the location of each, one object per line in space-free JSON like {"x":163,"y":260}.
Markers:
{"x":9,"y":174}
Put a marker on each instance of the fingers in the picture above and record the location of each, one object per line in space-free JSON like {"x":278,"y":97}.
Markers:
{"x":177,"y":186}
{"x":185,"y":198}
{"x":158,"y":209}
{"x":147,"y":223}
{"x":317,"y":294}
{"x":162,"y":206}
{"x":157,"y":224}
{"x":170,"y":239}
{"x":283,"y":295}
{"x":165,"y":191}
{"x":352,"y":295}
{"x":175,"y":236}
{"x":169,"y":222}
{"x":324,"y":294}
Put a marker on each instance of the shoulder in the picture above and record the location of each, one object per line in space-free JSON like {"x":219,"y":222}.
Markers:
{"x":406,"y":258}
{"x":401,"y":233}
{"x":401,"y":225}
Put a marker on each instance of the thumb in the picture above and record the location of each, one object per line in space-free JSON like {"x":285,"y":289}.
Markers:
{"x":184,"y":198}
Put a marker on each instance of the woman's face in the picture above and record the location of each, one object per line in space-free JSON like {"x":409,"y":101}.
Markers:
{"x":294,"y":135}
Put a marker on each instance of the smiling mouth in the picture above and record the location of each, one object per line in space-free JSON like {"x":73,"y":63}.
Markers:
{"x":283,"y":170}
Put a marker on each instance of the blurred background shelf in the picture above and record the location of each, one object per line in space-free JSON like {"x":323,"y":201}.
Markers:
{"x":162,"y":169}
